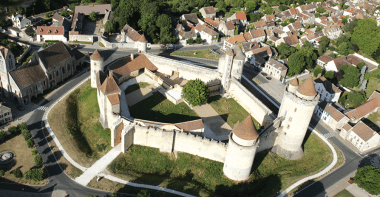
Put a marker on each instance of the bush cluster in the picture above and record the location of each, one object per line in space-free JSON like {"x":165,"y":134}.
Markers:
{"x":13,"y":130}
{"x":17,"y":173}
{"x":38,"y":160}
{"x":35,"y":174}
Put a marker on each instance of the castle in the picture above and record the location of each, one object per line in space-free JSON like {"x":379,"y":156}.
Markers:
{"x":284,"y":134}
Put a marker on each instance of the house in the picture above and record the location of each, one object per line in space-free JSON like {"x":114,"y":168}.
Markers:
{"x":361,"y":136}
{"x":323,"y":60}
{"x":227,"y":28}
{"x":279,"y":33}
{"x":208,"y":12}
{"x":77,"y":22}
{"x":258,"y":35}
{"x":231,"y":42}
{"x":5,"y":114}
{"x":47,"y":68}
{"x":307,"y":8}
{"x":239,"y":16}
{"x":20,"y":21}
{"x":50,"y":33}
{"x":60,"y":21}
{"x":98,"y":9}
{"x":209,"y":35}
{"x":275,"y":69}
{"x":258,"y":56}
{"x":129,"y":35}
{"x":327,"y":90}
{"x":333,"y":31}
{"x":337,"y":63}
{"x":291,"y":40}
{"x":212,"y":23}
{"x":269,"y":18}
{"x":330,"y":115}
{"x":57,"y":17}
{"x":365,"y":109}
{"x":185,"y":35}
{"x":260,"y":24}
{"x":191,"y":18}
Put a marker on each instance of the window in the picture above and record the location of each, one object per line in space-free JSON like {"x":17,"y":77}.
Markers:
{"x":44,"y":83}
{"x":57,"y":73}
{"x":290,"y":118}
{"x":50,"y":77}
{"x":295,"y":109}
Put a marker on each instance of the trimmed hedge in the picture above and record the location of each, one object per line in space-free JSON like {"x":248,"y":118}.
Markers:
{"x":3,"y":135}
{"x":38,"y":160}
{"x":30,"y":143}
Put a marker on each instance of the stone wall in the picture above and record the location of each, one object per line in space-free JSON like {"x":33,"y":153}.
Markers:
{"x":185,"y":70}
{"x":21,"y":59}
{"x":105,"y":42}
{"x":80,"y":37}
{"x":249,"y":102}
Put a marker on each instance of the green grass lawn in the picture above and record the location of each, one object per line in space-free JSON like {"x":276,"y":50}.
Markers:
{"x":101,"y":44}
{"x":135,"y":87}
{"x":207,"y":54}
{"x":230,"y":110}
{"x":203,"y":177}
{"x":373,"y":84}
{"x":158,"y":108}
{"x":344,"y":193}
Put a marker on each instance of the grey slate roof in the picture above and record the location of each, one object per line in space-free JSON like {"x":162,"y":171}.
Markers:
{"x":54,"y":55}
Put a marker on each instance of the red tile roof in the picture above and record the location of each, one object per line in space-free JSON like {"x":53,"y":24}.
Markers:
{"x":125,"y":65}
{"x":211,"y":22}
{"x":363,"y":131}
{"x":294,"y":82}
{"x":307,"y":88}
{"x":236,"y":39}
{"x":246,"y":129}
{"x":110,"y":86}
{"x":241,"y":16}
{"x":334,"y":112}
{"x":50,"y":30}
{"x":96,"y":56}
{"x":114,"y":99}
{"x":365,"y":108}
{"x":293,"y":11}
{"x":190,"y":125}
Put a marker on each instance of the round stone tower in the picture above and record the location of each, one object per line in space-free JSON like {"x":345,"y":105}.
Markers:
{"x":295,"y":114}
{"x":237,"y":68}
{"x":96,"y":66}
{"x":293,"y":85}
{"x":241,"y":150}
{"x":142,"y":44}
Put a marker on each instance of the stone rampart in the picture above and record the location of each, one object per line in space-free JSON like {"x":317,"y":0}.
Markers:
{"x":154,"y":137}
{"x":105,"y":42}
{"x":249,"y":102}
{"x":185,"y":70}
{"x":200,"y":146}
{"x":80,"y":37}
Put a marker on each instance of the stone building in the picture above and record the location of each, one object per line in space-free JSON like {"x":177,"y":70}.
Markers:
{"x":275,"y":69}
{"x":361,"y":136}
{"x":208,"y":12}
{"x":294,"y":117}
{"x":47,"y":68}
{"x":328,"y":91}
{"x":5,"y":114}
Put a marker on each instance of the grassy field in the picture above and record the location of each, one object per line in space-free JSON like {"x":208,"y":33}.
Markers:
{"x":135,"y":87}
{"x":373,"y":84}
{"x":69,"y":169}
{"x":88,"y":116}
{"x":207,"y":54}
{"x":24,"y":160}
{"x":230,"y":110}
{"x":344,"y":193}
{"x":158,"y":108}
{"x":203,"y":177}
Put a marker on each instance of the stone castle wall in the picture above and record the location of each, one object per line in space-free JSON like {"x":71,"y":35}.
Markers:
{"x":80,"y":37}
{"x":249,"y":102}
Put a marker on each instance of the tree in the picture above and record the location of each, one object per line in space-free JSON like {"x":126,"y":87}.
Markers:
{"x":3,"y":135}
{"x":285,"y":50}
{"x":317,"y":71}
{"x":251,"y":26}
{"x":17,"y":173}
{"x":190,"y":41}
{"x":343,"y":49}
{"x":236,"y":30}
{"x":92,"y":16}
{"x":250,"y":5}
{"x":253,"y":17}
{"x":292,"y":20}
{"x":350,"y":77}
{"x":283,"y":7}
{"x":319,"y":28}
{"x":325,"y":41}
{"x":321,"y":9}
{"x":317,"y":14}
{"x":196,"y":92}
{"x":143,"y":193}
{"x":164,"y":21}
{"x":342,"y":39}
{"x":356,"y":98}
{"x":64,"y":12}
{"x":301,"y":2}
{"x":302,"y":59}
{"x":30,"y":143}
{"x":221,"y":5}
{"x":360,"y":65}
{"x":35,"y":175}
{"x":114,"y":4}
{"x":111,"y":26}
{"x":368,"y":178}
{"x":47,"y":15}
{"x":38,"y":160}
{"x":115,"y":194}
{"x":268,"y":10}
{"x":198,"y":40}
{"x":2,"y":173}
{"x":329,"y":75}
{"x":349,"y":27}
{"x":13,"y":130}
{"x":149,"y":14}
{"x":366,"y":36}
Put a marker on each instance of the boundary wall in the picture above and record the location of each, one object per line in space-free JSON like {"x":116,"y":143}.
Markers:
{"x":74,"y":36}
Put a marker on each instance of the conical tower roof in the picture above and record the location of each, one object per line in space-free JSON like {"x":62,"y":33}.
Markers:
{"x":294,"y":82}
{"x":307,"y":88}
{"x":230,"y":52}
{"x":96,"y":56}
{"x":239,"y":53}
{"x":246,"y":129}
{"x":142,"y":39}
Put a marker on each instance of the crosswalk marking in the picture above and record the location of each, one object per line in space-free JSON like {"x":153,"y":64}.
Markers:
{"x":328,"y":135}
{"x":43,"y":108}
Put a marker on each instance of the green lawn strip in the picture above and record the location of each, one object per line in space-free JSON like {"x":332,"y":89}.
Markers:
{"x":230,"y":110}
{"x":158,"y":108}
{"x":101,"y":44}
{"x":81,"y":42}
{"x":373,"y":84}
{"x":207,"y":54}
{"x":344,"y":193}
{"x":135,"y":87}
{"x":200,"y":176}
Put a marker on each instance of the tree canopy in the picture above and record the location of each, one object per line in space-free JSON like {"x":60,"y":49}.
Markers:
{"x":368,"y":178}
{"x":302,"y":59}
{"x":351,"y":76}
{"x":366,"y":35}
{"x":92,"y":16}
{"x":196,"y":92}
{"x":285,"y":50}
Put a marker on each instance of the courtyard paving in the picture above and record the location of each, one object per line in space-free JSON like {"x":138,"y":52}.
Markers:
{"x":140,"y":94}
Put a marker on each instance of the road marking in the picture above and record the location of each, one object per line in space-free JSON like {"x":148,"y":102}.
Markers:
{"x":43,"y":108}
{"x":328,"y":135}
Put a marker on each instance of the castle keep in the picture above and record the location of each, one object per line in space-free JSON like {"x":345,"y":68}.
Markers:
{"x":190,"y":137}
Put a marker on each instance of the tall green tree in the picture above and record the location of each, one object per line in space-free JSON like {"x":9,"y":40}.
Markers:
{"x":250,"y":5}
{"x":92,"y":16}
{"x":368,"y":178}
{"x":196,"y":92}
{"x":350,"y":77}
{"x":367,"y":35}
{"x":149,"y":13}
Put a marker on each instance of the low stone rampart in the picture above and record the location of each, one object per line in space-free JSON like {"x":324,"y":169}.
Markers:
{"x":73,"y":36}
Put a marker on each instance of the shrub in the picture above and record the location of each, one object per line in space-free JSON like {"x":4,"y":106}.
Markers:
{"x":198,"y":40}
{"x":331,"y":48}
{"x":143,"y":193}
{"x":2,"y":173}
{"x":17,"y":173}
{"x":30,"y":143}
{"x":317,"y":71}
{"x":34,"y":152}
{"x":100,"y":147}
{"x":35,"y":175}
{"x":26,"y":134}
{"x":190,"y":41}
{"x":22,"y":126}
{"x":329,"y":74}
{"x":44,"y":45}
{"x":196,"y":92}
{"x":3,"y":135}
{"x":360,"y":65}
{"x":13,"y":130}
{"x":356,"y":98}
{"x":368,"y":178}
{"x":38,"y":160}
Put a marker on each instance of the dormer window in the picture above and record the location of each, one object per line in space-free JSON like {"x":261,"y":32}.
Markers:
{"x":56,"y":31}
{"x":41,"y":30}
{"x":49,"y":31}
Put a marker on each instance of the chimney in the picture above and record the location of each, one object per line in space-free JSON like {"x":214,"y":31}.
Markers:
{"x":132,"y":56}
{"x":110,"y":74}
